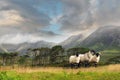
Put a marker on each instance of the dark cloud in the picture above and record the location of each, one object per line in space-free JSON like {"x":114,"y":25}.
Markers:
{"x":107,"y":12}
{"x":83,"y":14}
{"x":76,"y":14}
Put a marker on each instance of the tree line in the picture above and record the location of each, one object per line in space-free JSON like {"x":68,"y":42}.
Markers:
{"x":55,"y":56}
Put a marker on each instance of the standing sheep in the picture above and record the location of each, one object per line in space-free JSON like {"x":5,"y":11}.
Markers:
{"x":95,"y":59}
{"x":81,"y":58}
{"x":84,"y":58}
{"x":74,"y":60}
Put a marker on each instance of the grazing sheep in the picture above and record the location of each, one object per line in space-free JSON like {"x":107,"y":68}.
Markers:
{"x":95,"y":59}
{"x":74,"y":60}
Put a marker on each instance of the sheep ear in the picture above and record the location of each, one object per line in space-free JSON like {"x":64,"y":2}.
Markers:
{"x":89,"y":52}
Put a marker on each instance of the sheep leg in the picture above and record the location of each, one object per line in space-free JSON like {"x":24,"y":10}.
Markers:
{"x":76,"y":65}
{"x":71,"y":65}
{"x":95,"y":64}
{"x":82,"y":64}
{"x":79,"y":64}
{"x":86,"y":64}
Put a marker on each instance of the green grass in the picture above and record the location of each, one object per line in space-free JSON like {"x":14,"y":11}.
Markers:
{"x":109,"y":72}
{"x":108,"y":54}
{"x":12,"y":75}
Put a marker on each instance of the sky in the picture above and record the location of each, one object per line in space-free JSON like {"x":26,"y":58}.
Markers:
{"x":54,"y":20}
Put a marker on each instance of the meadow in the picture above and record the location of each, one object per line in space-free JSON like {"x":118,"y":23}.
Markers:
{"x":102,"y":72}
{"x":109,"y":72}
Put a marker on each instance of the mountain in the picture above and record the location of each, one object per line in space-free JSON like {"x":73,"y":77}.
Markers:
{"x":24,"y":46}
{"x":107,"y":37}
{"x":72,"y":41}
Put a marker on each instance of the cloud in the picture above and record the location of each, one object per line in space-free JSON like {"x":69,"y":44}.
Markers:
{"x":25,"y":11}
{"x":10,"y":17}
{"x":19,"y":38}
{"x":81,"y":15}
{"x":48,"y":33}
{"x":40,"y":18}
{"x":22,"y":17}
{"x":76,"y":13}
{"x":107,"y":12}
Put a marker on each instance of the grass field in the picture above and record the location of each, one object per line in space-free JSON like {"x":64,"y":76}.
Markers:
{"x":107,"y":54}
{"x":106,"y":72}
{"x":110,"y":72}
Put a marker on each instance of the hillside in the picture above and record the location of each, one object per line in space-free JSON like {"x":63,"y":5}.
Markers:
{"x":103,"y":38}
{"x":72,"y":41}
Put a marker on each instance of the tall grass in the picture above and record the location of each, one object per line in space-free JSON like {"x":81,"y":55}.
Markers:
{"x":110,"y":72}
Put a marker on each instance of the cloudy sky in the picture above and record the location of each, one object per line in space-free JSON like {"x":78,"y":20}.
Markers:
{"x":54,"y":20}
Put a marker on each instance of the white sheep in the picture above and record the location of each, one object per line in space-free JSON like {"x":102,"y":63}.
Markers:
{"x":81,"y":58}
{"x":74,"y":60}
{"x":95,"y":59}
{"x":84,"y":58}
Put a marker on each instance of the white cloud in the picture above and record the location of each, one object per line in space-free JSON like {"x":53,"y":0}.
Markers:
{"x":19,"y":38}
{"x":10,"y":17}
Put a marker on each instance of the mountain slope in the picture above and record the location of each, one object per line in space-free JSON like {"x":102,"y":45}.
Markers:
{"x":107,"y":37}
{"x":72,"y":41}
